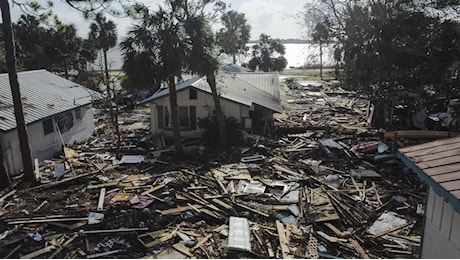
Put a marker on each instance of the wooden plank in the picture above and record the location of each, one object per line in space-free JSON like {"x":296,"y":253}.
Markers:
{"x":438,"y":162}
{"x":447,"y":177}
{"x":40,"y":206}
{"x":456,"y":194}
{"x":271,"y":252}
{"x":415,"y":239}
{"x":197,"y":187}
{"x":38,"y":252}
{"x":182,"y":249}
{"x":220,"y":228}
{"x":418,"y":134}
{"x":52,"y":184}
{"x":196,"y":198}
{"x":153,"y":189}
{"x":282,"y":239}
{"x":438,"y":155}
{"x":330,"y":238}
{"x":434,"y":146}
{"x":100,"y":204}
{"x":337,"y":231}
{"x":431,"y":148}
{"x":222,"y":204}
{"x":288,"y":171}
{"x":201,"y":241}
{"x":390,"y":230}
{"x":443,"y":169}
{"x":179,"y":210}
{"x":212,"y":213}
{"x":451,"y":185}
{"x":252,"y":210}
{"x":195,"y":209}
{"x":374,"y":187}
{"x":66,"y":244}
{"x":359,"y":249}
{"x":159,"y":239}
{"x":221,"y":185}
{"x":259,"y":240}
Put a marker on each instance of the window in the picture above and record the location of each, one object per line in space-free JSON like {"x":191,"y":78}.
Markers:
{"x":160,"y":116}
{"x":183,"y":117}
{"x":193,"y":93}
{"x":64,"y":121}
{"x":48,"y":126}
{"x":78,"y":113}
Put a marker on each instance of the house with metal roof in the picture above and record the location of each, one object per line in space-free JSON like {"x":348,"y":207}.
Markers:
{"x":57,"y":111}
{"x":437,"y":163}
{"x":251,"y":98}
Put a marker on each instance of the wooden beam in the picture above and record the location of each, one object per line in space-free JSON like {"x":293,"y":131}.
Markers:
{"x":201,"y":242}
{"x":390,"y":230}
{"x":182,"y":249}
{"x":282,"y":239}
{"x":359,"y":249}
{"x":38,"y":252}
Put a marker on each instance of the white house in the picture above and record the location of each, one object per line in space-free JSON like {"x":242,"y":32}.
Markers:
{"x":438,"y":164}
{"x":247,"y":96}
{"x":55,"y":110}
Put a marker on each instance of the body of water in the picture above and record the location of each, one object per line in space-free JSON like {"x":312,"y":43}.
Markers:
{"x":297,"y":55}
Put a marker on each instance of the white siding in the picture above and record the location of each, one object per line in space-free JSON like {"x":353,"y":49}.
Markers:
{"x":441,"y":236}
{"x":43,"y":146}
{"x":204,"y":107}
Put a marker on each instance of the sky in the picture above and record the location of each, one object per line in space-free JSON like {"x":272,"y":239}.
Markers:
{"x":277,"y":18}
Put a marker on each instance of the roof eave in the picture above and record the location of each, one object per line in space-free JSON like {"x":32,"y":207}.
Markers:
{"x":429,"y":181}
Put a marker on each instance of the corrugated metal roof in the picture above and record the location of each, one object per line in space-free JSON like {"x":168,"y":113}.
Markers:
{"x":231,"y":88}
{"x":234,"y":68}
{"x":268,"y":82}
{"x":438,"y":164}
{"x":43,"y":94}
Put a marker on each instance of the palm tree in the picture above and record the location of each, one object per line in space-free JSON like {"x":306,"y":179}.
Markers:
{"x":175,"y":40}
{"x":320,"y":35}
{"x":203,"y":62}
{"x":160,"y":39}
{"x":236,"y":33}
{"x":267,"y":55}
{"x":103,"y":34}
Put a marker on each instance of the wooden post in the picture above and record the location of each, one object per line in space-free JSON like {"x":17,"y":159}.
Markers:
{"x":15,"y":91}
{"x":4,"y":174}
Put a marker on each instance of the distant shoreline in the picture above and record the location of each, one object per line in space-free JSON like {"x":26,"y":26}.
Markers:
{"x":300,"y":41}
{"x":286,"y":41}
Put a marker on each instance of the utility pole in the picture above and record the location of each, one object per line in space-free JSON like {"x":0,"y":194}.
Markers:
{"x":14,"y":84}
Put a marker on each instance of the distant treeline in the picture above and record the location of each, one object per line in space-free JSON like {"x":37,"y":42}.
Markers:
{"x":284,"y":41}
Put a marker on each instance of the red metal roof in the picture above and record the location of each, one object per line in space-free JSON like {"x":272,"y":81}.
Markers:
{"x":439,"y":161}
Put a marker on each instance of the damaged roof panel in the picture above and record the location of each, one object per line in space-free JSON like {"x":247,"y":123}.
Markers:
{"x":43,"y":94}
{"x":231,"y":88}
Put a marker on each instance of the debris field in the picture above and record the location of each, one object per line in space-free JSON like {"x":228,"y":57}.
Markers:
{"x":324,"y":185}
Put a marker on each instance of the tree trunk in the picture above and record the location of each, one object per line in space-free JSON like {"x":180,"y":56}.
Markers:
{"x":379,"y":116}
{"x":16,"y":93}
{"x":66,"y":70}
{"x":219,"y":113}
{"x":321,"y":60}
{"x":175,"y":116}
{"x":113,"y":114}
{"x":4,"y":174}
{"x":391,"y":112}
{"x":234,"y":59}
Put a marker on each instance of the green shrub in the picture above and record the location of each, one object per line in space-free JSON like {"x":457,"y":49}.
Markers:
{"x":211,"y":131}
